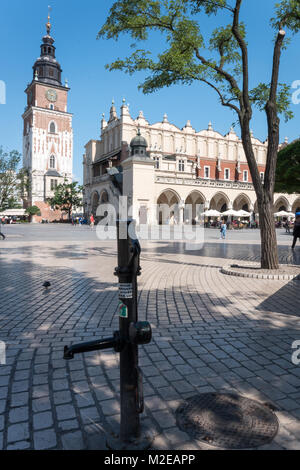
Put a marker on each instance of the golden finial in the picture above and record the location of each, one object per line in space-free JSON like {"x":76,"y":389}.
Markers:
{"x":48,"y":25}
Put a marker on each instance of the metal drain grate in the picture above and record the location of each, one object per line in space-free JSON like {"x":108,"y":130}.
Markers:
{"x":227,"y":420}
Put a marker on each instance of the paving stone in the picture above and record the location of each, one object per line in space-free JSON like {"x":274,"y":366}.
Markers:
{"x":73,"y":441}
{"x":17,"y":432}
{"x":84,"y":399}
{"x":22,"y":445}
{"x":19,"y":399}
{"x":42,"y":420}
{"x":44,"y":439}
{"x":17,"y":415}
{"x":65,"y":412}
{"x":155,"y":403}
{"x":4,"y":380}
{"x":61,"y":397}
{"x":110,"y":407}
{"x":41,"y":404}
{"x":90,"y":415}
{"x":69,"y":425}
{"x":60,"y":384}
{"x":165,"y":419}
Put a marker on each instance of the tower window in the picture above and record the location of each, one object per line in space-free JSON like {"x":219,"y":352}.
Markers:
{"x":51,"y":72}
{"x":227,"y":174}
{"x":53,"y":184}
{"x":52,"y":161}
{"x":156,"y":159}
{"x":52,"y":106}
{"x":181,"y":165}
{"x":52,"y":128}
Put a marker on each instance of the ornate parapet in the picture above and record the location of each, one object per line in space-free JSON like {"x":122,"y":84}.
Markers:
{"x":203,"y":182}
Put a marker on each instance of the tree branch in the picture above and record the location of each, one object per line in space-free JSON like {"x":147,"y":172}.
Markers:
{"x":272,"y":117}
{"x":230,"y":79}
{"x":223,"y":101}
{"x":244,"y":50}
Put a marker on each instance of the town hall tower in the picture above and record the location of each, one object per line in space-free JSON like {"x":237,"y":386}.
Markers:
{"x":48,"y":133}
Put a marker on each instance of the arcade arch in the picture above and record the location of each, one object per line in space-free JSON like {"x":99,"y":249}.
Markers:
{"x":168,"y":207}
{"x":220,"y":202}
{"x":242,"y":202}
{"x":281,"y":204}
{"x":194,"y":206}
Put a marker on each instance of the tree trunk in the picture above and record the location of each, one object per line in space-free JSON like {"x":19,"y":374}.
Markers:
{"x":269,"y":251}
{"x":264,"y":193}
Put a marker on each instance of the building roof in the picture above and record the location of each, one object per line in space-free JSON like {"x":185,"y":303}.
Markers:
{"x":53,"y":173}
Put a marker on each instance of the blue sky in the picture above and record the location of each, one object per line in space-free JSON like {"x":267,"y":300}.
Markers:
{"x":83,"y":59}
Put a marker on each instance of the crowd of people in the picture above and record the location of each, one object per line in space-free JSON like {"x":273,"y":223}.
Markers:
{"x":83,"y":221}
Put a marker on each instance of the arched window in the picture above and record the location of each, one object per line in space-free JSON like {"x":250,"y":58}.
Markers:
{"x":52,"y":128}
{"x":52,"y":161}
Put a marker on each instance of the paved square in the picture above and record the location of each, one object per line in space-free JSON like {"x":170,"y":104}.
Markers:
{"x":211,"y":332}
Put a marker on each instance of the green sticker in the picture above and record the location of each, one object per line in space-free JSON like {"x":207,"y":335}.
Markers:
{"x":123,"y":310}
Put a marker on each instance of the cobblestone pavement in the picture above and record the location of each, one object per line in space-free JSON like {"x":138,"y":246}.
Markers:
{"x":211,"y":332}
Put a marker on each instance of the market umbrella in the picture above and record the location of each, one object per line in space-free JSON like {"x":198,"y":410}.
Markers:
{"x":282,"y":214}
{"x":211,"y":213}
{"x":243,"y":213}
{"x":231,"y":212}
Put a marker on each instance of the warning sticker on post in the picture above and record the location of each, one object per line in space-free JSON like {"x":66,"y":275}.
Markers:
{"x":123,"y":310}
{"x":125,"y":291}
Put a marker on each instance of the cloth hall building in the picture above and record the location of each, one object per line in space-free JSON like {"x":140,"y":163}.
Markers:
{"x":167,"y":165}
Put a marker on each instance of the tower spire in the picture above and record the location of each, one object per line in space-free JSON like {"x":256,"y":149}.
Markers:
{"x":46,"y":69}
{"x":48,"y":24}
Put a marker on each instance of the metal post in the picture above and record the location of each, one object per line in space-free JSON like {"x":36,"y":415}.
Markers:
{"x":127,"y":271}
{"x":125,"y":341}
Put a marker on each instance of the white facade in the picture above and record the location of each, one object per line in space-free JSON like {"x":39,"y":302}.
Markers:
{"x":192,"y":167}
{"x":39,"y":145}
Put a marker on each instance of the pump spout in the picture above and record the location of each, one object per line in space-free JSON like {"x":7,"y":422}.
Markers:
{"x":105,"y":343}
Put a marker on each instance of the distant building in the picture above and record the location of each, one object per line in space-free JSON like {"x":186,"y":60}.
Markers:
{"x":177,"y":166}
{"x":48,"y":133}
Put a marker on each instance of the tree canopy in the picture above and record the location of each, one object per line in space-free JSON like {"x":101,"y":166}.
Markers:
{"x":220,"y":61}
{"x":67,"y":196}
{"x":288,"y":169}
{"x":9,"y":182}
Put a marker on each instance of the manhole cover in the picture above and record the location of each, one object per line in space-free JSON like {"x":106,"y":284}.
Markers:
{"x":227,"y":420}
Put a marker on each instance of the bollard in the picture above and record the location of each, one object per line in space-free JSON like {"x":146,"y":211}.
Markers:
{"x":130,"y":375}
{"x":125,"y":341}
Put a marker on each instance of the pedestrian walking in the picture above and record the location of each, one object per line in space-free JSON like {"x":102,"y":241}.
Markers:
{"x":296,"y":231}
{"x":92,"y":221}
{"x":223,"y":230}
{"x":287,"y":226}
{"x":1,"y":234}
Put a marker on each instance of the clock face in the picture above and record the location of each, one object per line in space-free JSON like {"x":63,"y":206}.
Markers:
{"x":51,"y":95}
